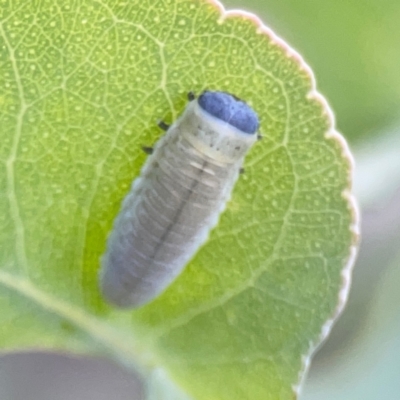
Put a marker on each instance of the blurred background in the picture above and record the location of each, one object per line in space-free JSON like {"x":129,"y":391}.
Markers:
{"x":353,"y":46}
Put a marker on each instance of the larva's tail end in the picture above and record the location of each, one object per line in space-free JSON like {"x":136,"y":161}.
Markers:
{"x":114,"y":292}
{"x":111,"y":288}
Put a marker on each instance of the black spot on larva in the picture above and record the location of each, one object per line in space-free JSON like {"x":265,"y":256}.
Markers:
{"x":191,"y":96}
{"x":163,"y":125}
{"x":147,"y":149}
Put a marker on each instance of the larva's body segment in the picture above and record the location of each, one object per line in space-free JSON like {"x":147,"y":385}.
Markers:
{"x":177,"y":200}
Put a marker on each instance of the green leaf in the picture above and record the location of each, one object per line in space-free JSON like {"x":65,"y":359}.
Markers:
{"x":160,"y":387}
{"x":83,"y":84}
{"x":370,"y":361}
{"x":349,"y":43}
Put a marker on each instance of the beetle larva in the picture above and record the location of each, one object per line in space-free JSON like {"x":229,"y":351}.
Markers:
{"x":171,"y":208}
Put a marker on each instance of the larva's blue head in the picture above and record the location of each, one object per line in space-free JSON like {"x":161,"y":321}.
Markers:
{"x":230,"y":109}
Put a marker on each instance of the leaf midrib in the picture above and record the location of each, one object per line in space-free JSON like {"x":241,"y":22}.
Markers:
{"x":119,"y":345}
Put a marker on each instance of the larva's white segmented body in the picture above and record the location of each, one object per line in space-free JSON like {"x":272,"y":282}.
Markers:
{"x":171,"y":208}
